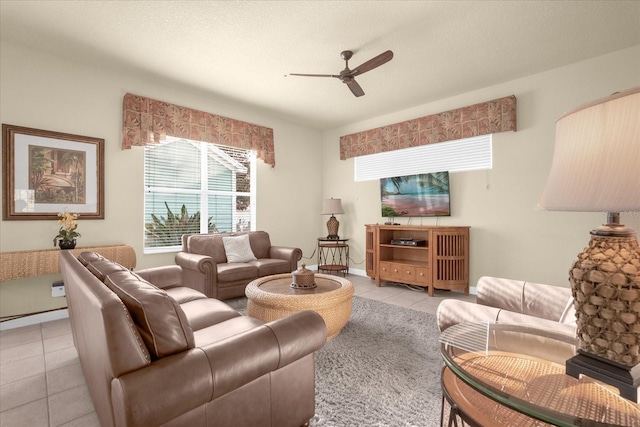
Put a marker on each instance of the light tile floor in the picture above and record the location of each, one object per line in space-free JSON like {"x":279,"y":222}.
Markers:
{"x":41,"y":383}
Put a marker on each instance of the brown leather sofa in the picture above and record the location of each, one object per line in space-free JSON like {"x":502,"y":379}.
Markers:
{"x":165,"y":354}
{"x":204,"y":259}
{"x":512,"y":301}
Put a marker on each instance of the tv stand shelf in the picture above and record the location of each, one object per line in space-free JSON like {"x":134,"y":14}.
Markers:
{"x":389,"y":245}
{"x":441,"y":263}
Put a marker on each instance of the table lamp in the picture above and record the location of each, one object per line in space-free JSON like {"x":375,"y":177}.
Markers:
{"x":331,"y":207}
{"x":596,"y":168}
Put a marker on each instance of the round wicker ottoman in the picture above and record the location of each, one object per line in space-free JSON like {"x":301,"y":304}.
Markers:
{"x":272,"y":297}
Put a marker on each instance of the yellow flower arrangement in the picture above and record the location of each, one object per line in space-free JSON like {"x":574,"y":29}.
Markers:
{"x":67,"y":231}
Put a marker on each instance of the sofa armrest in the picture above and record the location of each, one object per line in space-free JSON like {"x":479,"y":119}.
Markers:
{"x":452,"y":312}
{"x":199,"y":272}
{"x":242,"y":358}
{"x":293,"y":255}
{"x":164,"y":277}
{"x":163,"y":390}
{"x":537,"y":345}
{"x":298,"y":335}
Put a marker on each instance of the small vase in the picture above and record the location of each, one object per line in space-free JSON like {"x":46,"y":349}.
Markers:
{"x":67,"y":244}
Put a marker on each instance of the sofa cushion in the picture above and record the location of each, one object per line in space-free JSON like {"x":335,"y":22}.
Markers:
{"x":269,"y":266}
{"x":236,"y":271}
{"x":238,"y":248}
{"x":87,"y":258}
{"x":545,"y":301}
{"x":160,"y":320}
{"x":103,"y":267}
{"x":184,"y":294}
{"x":260,"y":244}
{"x":500,"y":293}
{"x":223,"y":330}
{"x":206,"y":312}
{"x":205,"y":244}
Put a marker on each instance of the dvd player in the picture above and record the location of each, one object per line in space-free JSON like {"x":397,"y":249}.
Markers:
{"x":409,"y":242}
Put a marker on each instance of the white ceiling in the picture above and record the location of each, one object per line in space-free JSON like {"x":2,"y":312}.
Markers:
{"x":243,"y":50}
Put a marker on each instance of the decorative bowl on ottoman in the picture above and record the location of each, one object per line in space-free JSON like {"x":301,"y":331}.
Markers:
{"x":303,"y":278}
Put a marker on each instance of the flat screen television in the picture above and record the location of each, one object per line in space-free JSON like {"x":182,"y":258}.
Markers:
{"x":415,"y":195}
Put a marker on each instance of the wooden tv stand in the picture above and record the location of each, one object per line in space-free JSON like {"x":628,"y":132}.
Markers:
{"x":440,"y":262}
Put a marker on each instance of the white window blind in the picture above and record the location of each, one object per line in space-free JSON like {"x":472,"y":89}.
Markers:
{"x":454,"y":156}
{"x":195,"y":187}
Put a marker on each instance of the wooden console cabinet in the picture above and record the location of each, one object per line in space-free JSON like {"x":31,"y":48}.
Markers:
{"x":440,"y":261}
{"x":23,"y":264}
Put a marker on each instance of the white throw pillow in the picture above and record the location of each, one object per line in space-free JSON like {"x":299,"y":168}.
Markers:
{"x":238,"y":249}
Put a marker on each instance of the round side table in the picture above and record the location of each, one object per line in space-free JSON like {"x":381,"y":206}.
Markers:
{"x":333,"y":255}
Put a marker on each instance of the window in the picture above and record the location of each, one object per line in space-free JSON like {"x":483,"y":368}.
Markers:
{"x":454,"y":156}
{"x":195,"y":187}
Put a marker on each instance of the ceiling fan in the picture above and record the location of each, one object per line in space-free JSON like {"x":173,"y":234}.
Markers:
{"x":346,"y":76}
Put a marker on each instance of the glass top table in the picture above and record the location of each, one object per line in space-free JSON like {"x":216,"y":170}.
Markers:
{"x":523,"y":368}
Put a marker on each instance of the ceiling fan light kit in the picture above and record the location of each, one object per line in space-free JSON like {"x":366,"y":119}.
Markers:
{"x":347,"y":76}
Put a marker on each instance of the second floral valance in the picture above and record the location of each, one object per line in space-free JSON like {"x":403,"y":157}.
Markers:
{"x":498,"y":115}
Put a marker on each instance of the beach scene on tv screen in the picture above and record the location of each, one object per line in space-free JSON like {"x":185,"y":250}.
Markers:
{"x":415,"y":195}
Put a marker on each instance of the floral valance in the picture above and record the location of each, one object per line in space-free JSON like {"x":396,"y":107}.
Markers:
{"x":488,"y":117}
{"x":148,"y":121}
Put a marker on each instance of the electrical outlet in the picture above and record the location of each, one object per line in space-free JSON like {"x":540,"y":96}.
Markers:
{"x":57,"y":289}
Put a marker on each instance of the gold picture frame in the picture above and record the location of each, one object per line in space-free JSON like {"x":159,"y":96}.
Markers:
{"x":48,"y":172}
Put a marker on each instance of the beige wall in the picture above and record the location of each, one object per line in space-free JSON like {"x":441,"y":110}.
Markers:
{"x":45,"y":92}
{"x":509,"y":236}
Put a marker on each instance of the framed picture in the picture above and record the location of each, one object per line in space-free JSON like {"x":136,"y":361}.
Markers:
{"x":48,"y":172}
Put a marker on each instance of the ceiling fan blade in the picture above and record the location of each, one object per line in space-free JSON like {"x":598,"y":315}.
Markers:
{"x":314,"y":75}
{"x":383,"y":58}
{"x":355,"y":87}
{"x":346,"y":76}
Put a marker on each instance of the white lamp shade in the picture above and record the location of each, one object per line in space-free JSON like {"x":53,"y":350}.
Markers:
{"x":596,"y":159}
{"x":331,"y":207}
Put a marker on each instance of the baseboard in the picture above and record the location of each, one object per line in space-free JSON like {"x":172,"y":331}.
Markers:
{"x":354,"y":271}
{"x":34,"y":319}
{"x":472,"y":289}
{"x":357,"y":272}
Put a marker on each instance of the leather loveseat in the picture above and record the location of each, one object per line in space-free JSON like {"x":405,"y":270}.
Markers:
{"x":207,"y":260}
{"x":165,"y":354}
{"x":512,"y":301}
